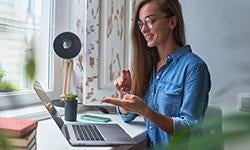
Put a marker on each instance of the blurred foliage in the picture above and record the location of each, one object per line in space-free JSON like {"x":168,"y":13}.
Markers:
{"x":2,"y":73}
{"x":235,"y":127}
{"x":30,"y":68}
{"x":4,"y":143}
{"x":6,"y":86}
{"x":30,"y":64}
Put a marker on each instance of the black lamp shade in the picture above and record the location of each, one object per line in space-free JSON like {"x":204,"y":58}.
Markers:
{"x":67,"y":45}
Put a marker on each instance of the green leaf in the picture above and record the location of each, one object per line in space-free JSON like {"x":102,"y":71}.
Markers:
{"x":4,"y":143}
{"x":235,"y":126}
{"x":2,"y":73}
{"x":7,"y":86}
{"x":70,"y":96}
{"x":30,"y":69}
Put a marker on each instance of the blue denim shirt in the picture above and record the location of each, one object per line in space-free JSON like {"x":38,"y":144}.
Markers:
{"x":179,"y":89}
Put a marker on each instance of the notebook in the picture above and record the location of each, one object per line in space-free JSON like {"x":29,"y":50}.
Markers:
{"x":79,"y":133}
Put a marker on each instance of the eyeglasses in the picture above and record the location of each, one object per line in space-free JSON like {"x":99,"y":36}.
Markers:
{"x":149,"y":22}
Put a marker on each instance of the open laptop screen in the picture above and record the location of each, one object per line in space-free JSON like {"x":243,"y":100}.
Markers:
{"x":46,"y":102}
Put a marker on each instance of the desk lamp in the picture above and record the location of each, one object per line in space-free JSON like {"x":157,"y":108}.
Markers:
{"x":66,"y":45}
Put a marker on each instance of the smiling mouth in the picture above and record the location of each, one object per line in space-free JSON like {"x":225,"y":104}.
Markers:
{"x":148,"y":37}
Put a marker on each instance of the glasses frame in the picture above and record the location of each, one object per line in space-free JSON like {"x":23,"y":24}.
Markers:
{"x":150,"y":22}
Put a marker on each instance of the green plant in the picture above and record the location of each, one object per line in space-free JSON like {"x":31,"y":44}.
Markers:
{"x":7,"y":86}
{"x":70,"y":96}
{"x":2,"y":73}
{"x":4,"y":143}
{"x":30,"y":64}
{"x":237,"y":126}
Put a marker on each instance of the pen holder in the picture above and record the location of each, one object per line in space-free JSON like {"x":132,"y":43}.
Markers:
{"x":70,"y":109}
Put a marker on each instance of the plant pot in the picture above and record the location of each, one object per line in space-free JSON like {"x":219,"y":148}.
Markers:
{"x":70,"y":110}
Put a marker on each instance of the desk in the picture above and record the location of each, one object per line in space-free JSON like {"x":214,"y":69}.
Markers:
{"x":49,"y":136}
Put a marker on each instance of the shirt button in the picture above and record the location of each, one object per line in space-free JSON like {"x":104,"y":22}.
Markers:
{"x":157,"y":77}
{"x":150,"y":127}
{"x":156,"y":108}
{"x":152,"y":93}
{"x":169,"y":57}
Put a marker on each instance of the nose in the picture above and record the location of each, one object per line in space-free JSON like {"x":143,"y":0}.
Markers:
{"x":144,"y":28}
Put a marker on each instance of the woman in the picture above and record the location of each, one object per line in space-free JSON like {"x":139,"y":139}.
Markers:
{"x":169,"y":85}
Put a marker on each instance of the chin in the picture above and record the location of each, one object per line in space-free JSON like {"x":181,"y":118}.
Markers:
{"x":150,"y":44}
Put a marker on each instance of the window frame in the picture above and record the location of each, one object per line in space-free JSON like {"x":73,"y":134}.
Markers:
{"x":60,"y":21}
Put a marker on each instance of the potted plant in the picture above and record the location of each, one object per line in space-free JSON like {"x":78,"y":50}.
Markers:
{"x":70,"y":106}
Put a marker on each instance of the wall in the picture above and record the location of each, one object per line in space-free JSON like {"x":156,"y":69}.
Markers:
{"x":219,"y":32}
{"x":103,"y":27}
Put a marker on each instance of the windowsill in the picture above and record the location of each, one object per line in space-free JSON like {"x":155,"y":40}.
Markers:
{"x":39,"y":112}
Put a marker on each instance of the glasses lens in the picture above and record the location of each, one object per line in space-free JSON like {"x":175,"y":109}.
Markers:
{"x":149,"y":22}
{"x":140,"y":24}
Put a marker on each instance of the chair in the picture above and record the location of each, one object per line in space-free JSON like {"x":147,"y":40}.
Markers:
{"x":212,"y":126}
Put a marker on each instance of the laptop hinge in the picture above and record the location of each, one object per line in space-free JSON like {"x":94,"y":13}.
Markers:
{"x":65,"y":132}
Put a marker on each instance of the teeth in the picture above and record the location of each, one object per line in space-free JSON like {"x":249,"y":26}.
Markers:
{"x":148,"y":38}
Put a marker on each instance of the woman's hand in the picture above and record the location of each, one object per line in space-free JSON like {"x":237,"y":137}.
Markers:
{"x":123,"y":86}
{"x":129,"y":102}
{"x":123,"y":83}
{"x":135,"y":104}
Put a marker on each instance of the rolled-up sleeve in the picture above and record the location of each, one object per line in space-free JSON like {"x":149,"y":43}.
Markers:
{"x":128,"y":117}
{"x":195,"y":97}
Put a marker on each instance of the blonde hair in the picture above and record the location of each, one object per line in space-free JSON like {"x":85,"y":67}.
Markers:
{"x":145,"y":57}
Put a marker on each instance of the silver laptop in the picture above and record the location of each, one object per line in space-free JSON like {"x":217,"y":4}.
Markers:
{"x":79,"y":133}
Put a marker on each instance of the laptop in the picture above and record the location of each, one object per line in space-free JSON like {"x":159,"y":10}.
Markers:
{"x":79,"y":133}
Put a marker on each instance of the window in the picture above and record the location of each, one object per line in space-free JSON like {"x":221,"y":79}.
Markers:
{"x":27,"y":30}
{"x":22,"y":27}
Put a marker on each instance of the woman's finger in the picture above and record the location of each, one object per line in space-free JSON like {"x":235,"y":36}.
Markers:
{"x":127,"y":74}
{"x":128,"y":96}
{"x":115,"y":83}
{"x":119,"y":81}
{"x":114,"y":101}
{"x":123,"y":74}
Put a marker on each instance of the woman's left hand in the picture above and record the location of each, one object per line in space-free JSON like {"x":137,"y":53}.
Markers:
{"x":130,"y":102}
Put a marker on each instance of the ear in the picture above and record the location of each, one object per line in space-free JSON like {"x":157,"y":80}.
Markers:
{"x":173,"y":22}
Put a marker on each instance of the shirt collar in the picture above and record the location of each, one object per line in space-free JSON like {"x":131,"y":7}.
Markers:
{"x":176,"y":54}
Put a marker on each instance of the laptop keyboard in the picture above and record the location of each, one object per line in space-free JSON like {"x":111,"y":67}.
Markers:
{"x":87,"y":133}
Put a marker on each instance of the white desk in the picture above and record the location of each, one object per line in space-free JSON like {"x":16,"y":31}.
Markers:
{"x":49,"y":136}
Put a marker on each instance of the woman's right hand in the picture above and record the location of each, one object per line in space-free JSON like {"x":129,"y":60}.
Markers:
{"x":123,"y":86}
{"x":123,"y":83}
